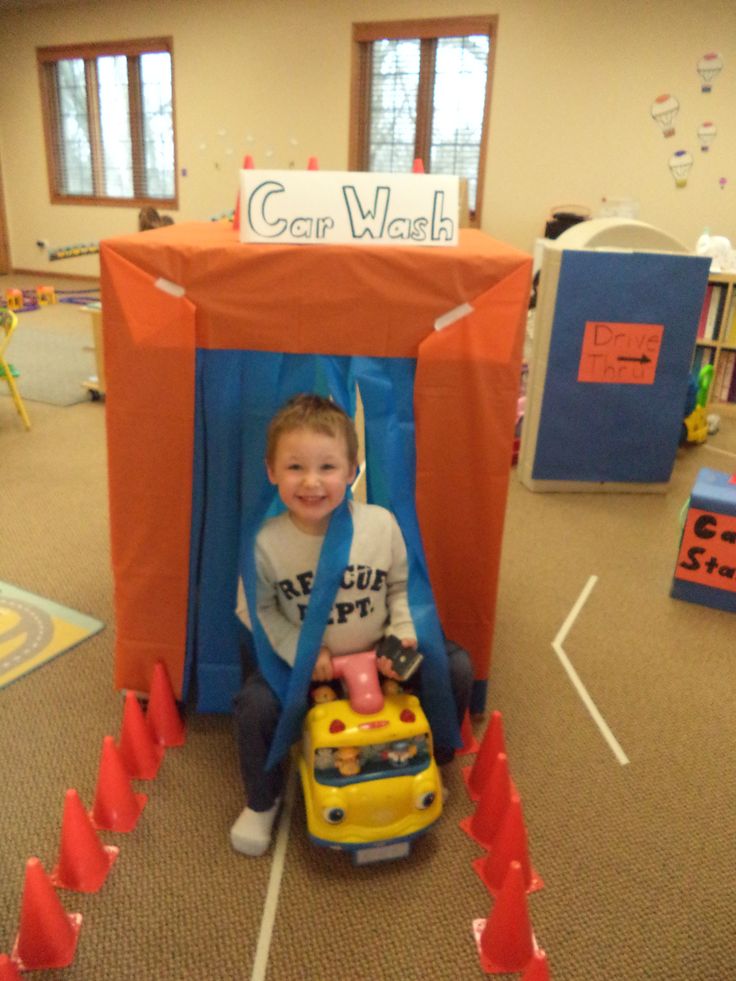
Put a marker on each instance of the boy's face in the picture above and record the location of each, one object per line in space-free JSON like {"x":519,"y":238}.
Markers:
{"x":312,"y":472}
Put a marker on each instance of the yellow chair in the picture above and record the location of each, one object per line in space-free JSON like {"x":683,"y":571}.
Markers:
{"x":8,"y":323}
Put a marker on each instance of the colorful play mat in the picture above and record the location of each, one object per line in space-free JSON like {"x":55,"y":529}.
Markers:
{"x":33,"y":630}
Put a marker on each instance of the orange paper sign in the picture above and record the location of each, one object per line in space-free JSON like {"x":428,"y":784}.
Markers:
{"x":622,"y":354}
{"x":708,"y":551}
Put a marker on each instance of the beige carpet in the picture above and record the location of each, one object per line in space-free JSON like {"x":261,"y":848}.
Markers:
{"x":636,"y":859}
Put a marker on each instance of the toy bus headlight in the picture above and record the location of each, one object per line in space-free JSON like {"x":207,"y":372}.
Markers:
{"x":333,"y":815}
{"x":425,"y":800}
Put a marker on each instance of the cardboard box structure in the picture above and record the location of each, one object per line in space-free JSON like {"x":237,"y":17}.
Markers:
{"x":202,"y":334}
{"x":705,"y":572}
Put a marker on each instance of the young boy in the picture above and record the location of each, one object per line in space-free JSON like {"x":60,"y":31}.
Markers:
{"x":312,"y":458}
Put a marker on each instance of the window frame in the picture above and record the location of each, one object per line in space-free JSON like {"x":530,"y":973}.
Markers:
{"x":425,"y":30}
{"x":47,"y":59}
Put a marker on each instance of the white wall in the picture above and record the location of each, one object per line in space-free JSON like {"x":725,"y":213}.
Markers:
{"x":570,"y":118}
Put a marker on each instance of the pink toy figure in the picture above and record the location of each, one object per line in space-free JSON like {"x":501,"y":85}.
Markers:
{"x":361,"y":679}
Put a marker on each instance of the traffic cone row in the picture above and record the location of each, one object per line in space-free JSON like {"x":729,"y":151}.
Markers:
{"x":505,"y":939}
{"x":47,"y":935}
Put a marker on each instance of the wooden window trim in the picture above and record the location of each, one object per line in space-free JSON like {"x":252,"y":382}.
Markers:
{"x":427,"y":30}
{"x":46,"y":60}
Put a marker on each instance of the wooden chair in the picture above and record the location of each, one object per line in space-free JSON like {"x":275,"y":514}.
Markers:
{"x":8,"y":323}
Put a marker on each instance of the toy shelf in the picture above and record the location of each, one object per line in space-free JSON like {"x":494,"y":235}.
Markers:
{"x":716,"y":340}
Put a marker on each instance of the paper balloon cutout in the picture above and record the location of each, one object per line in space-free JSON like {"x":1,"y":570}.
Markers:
{"x":709,"y":66}
{"x":680,"y":165}
{"x":663,"y":110}
{"x":706,"y":135}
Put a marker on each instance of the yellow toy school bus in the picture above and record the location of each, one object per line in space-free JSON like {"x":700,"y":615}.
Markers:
{"x":370,"y":781}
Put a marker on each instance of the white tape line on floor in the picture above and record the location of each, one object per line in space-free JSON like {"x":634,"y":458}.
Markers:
{"x":575,"y":679}
{"x":260,"y":962}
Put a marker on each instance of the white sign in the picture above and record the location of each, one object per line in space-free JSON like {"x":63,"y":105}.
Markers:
{"x":316,"y":207}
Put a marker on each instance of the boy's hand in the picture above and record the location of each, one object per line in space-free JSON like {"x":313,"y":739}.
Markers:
{"x":385,"y":665}
{"x":401,"y":658}
{"x":386,"y":668}
{"x":323,"y":666}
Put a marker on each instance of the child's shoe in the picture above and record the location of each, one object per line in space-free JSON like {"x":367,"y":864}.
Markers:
{"x":251,"y":833}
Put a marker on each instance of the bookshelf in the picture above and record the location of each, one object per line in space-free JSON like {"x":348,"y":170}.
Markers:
{"x":716,"y":339}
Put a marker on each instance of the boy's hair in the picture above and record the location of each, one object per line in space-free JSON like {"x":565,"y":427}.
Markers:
{"x":309,"y":411}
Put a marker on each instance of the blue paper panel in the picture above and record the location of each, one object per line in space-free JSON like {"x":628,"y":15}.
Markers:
{"x":237,"y":393}
{"x":714,"y":491}
{"x":618,"y":432}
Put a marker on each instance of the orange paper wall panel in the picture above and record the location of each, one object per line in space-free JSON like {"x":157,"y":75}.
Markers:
{"x":464,"y":444}
{"x":149,"y":343}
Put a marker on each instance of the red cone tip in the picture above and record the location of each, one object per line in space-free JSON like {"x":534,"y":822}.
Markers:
{"x":8,"y":970}
{"x":248,"y":162}
{"x":418,"y":166}
{"x":538,"y":969}
{"x":313,"y":164}
{"x":162,"y":716}
{"x":491,"y":745}
{"x":84,"y":862}
{"x":141,"y":754}
{"x":116,"y":806}
{"x":509,"y":844}
{"x":48,"y":935}
{"x":470,"y":743}
{"x":484,"y":823}
{"x":507,"y":944}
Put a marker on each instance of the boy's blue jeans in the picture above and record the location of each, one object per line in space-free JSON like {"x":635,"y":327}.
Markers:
{"x":257,"y":710}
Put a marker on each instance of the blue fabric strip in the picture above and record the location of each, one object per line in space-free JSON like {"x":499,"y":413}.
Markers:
{"x":334,"y":556}
{"x":387,"y":390}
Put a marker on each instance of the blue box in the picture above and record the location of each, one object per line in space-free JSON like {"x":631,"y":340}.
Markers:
{"x":705,"y":571}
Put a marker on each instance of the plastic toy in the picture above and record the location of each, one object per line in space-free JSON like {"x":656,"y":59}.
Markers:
{"x":13,"y":299}
{"x":695,"y":423}
{"x":45,"y":295}
{"x":369,"y":779}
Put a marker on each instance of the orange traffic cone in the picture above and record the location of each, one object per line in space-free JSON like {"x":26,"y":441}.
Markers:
{"x":8,"y":970}
{"x":470,"y":743}
{"x":483,"y":824}
{"x":538,"y":969}
{"x":492,"y":744}
{"x":84,"y":861}
{"x":141,"y":755}
{"x":313,"y":164}
{"x":247,"y":165}
{"x":417,"y":166}
{"x":116,"y":806}
{"x":48,"y":934}
{"x":162,"y":715}
{"x":509,"y":845}
{"x":507,"y":943}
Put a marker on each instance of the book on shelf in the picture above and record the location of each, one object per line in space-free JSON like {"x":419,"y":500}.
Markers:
{"x":704,"y":312}
{"x":727,"y":360}
{"x":702,"y":357}
{"x":715,"y":311}
{"x":715,"y":388}
{"x":729,"y":330}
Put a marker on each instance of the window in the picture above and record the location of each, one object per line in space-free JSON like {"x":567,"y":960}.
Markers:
{"x":109,"y":122}
{"x":421,"y":89}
